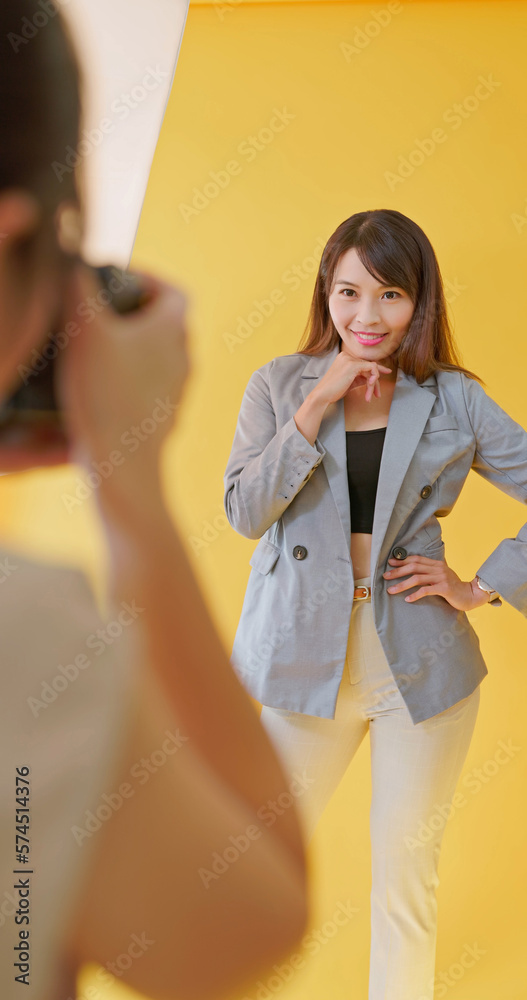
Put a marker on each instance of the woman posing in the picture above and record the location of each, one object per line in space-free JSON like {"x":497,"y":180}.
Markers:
{"x":344,"y":456}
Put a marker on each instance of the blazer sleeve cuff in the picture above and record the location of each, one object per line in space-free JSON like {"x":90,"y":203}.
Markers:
{"x":505,"y":570}
{"x":289,"y":459}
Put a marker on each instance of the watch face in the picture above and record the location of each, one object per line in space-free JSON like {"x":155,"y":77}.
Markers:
{"x":494,"y":596}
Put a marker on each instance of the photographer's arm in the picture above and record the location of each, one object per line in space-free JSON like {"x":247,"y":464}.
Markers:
{"x":145,"y":875}
{"x":150,"y":565}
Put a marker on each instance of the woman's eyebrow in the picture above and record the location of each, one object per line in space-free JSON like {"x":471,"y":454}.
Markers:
{"x":350,"y":283}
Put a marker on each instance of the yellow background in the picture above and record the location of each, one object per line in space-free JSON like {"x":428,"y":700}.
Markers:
{"x":354,"y":118}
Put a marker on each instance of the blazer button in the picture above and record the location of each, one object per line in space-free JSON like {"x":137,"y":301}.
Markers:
{"x":300,"y":552}
{"x":399,"y":552}
{"x":426,"y":491}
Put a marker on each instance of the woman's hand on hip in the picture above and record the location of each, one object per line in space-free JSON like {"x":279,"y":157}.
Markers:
{"x":433,"y":576}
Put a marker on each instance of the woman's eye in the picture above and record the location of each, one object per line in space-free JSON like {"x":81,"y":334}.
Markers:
{"x":352,"y":290}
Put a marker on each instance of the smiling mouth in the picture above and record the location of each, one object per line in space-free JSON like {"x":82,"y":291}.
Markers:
{"x":365,"y":338}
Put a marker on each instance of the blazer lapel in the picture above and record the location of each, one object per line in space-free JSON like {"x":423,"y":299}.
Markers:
{"x":409,"y":411}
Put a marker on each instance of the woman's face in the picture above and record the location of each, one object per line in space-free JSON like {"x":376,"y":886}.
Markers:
{"x":358,"y":303}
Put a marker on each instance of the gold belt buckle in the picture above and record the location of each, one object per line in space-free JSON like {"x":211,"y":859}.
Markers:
{"x":361,"y":597}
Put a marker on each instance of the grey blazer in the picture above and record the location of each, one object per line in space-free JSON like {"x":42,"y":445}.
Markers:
{"x":289,"y":650}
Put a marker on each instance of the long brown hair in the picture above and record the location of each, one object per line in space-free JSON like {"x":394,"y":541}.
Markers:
{"x":396,"y":251}
{"x":40,"y":101}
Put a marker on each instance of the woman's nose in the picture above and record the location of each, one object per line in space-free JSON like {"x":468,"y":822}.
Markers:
{"x":367,"y":315}
{"x":366,"y":318}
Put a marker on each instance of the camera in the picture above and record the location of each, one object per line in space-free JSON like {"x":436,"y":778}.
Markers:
{"x":31,"y":414}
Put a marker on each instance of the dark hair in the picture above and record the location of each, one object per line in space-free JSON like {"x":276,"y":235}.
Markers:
{"x":394,"y":250}
{"x":40,"y":102}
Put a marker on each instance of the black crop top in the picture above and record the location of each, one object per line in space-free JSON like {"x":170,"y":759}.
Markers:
{"x":364,"y":451}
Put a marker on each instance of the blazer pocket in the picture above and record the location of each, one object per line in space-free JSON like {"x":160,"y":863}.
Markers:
{"x":443,"y":422}
{"x":264,"y":556}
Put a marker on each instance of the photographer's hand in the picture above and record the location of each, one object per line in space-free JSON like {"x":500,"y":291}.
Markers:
{"x":120,"y":382}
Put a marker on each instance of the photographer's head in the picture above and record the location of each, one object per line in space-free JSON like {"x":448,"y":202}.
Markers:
{"x":40,"y":88}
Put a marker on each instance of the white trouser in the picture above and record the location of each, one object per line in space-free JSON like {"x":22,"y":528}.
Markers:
{"x":414,"y":769}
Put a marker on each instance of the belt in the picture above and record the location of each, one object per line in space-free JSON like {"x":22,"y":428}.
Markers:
{"x":361,"y":593}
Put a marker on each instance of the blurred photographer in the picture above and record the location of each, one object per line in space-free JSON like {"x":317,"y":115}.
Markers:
{"x":148,"y":761}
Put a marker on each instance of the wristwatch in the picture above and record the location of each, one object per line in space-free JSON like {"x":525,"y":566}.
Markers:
{"x":494,"y":597}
